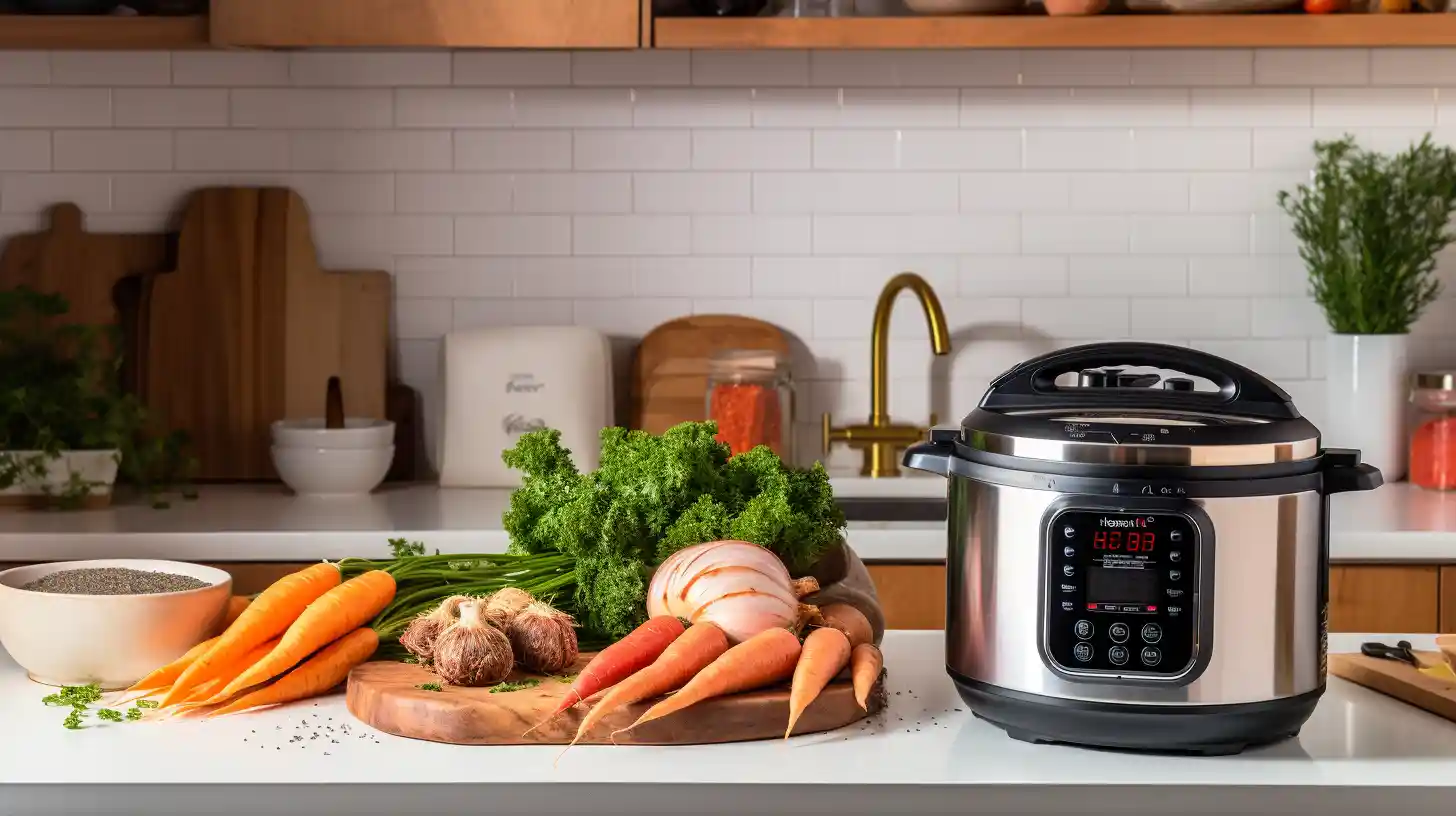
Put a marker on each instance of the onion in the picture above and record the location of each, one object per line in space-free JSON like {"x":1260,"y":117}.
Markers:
{"x":742,"y":588}
{"x":419,"y":637}
{"x":471,"y":652}
{"x":543,"y":638}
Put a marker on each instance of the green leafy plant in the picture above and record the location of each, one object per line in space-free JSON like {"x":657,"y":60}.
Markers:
{"x":1369,"y":227}
{"x":60,"y":391}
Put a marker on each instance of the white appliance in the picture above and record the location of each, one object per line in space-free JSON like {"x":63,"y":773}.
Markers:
{"x":500,"y":383}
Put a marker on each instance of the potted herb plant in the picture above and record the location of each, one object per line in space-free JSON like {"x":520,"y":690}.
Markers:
{"x":1370,"y":226}
{"x":66,"y":429}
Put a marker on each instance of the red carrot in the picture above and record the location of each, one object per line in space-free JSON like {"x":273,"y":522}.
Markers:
{"x":620,"y":660}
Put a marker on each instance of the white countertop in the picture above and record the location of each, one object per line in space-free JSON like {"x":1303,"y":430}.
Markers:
{"x":263,"y":523}
{"x":1360,"y":753}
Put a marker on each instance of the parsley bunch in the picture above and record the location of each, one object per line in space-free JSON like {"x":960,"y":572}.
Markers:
{"x":80,"y":698}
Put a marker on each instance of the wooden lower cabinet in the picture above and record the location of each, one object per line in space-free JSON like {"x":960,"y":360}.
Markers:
{"x":912,"y":595}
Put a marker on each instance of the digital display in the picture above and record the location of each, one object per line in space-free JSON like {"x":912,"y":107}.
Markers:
{"x":1121,"y":585}
{"x":1132,"y":541}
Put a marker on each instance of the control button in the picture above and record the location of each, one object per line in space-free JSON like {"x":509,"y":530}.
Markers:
{"x":1067,"y":606}
{"x":1118,"y":655}
{"x":1069,"y":587}
{"x":1068,"y":552}
{"x":1173,"y":575}
{"x":1118,"y":632}
{"x":1175,"y":610}
{"x":1133,"y":608}
{"x":1175,"y":593}
{"x":1069,"y":531}
{"x":1068,"y":569}
{"x":1175,"y":535}
{"x":1083,"y":629}
{"x":1083,"y":652}
{"x":1175,"y":556}
{"x":1150,"y":656}
{"x":1152,"y":633}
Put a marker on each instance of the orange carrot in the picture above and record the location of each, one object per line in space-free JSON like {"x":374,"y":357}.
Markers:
{"x":850,"y":621}
{"x":865,"y":663}
{"x":765,"y":658}
{"x":825,"y":653}
{"x":318,"y":674}
{"x":203,"y":693}
{"x":341,"y":610}
{"x":268,"y":616}
{"x":236,"y":605}
{"x":699,"y":646}
{"x":163,"y":677}
{"x":622,"y":659}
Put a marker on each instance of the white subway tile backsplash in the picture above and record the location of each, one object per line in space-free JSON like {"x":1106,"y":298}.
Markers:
{"x":25,"y":150}
{"x":1246,"y":275}
{"x":827,"y":277}
{"x":692,"y":193}
{"x":454,"y":277}
{"x":1074,"y":107}
{"x":170,"y":107}
{"x":573,"y":193}
{"x":313,"y":107}
{"x":751,"y":235}
{"x":1287,"y":317}
{"x":369,"y":68}
{"x":1251,"y":107}
{"x":1079,"y":150}
{"x":1312,"y":66}
{"x":1071,"y":234}
{"x":900,"y":107}
{"x":1182,"y":67}
{"x":915,"y":69}
{"x":360,"y":236}
{"x":37,"y":192}
{"x":1288,"y":148}
{"x":631,"y":235}
{"x":750,"y":69}
{"x":1413,"y":66}
{"x":512,"y":235}
{"x":1165,"y":318}
{"x":692,"y":277}
{"x":1279,"y":359}
{"x":1240,"y":192}
{"x":1374,"y":107}
{"x":917,"y":150}
{"x":632,"y":150}
{"x":475,"y":313}
{"x":344,"y":193}
{"x":1070,"y":68}
{"x":1105,"y":275}
{"x":1129,"y":192}
{"x":55,"y":107}
{"x":1192,"y":149}
{"x":794,"y":316}
{"x":512,"y":69}
{"x":572,"y":277}
{"x":1190,"y":234}
{"x":906,"y":234}
{"x":163,"y":193}
{"x":230,"y":69}
{"x":628,"y":318}
{"x":1076,"y":318}
{"x":510,"y":150}
{"x":631,"y":68}
{"x":369,"y":150}
{"x":25,"y":68}
{"x":693,"y":107}
{"x":1030,"y":276}
{"x":453,"y":107}
{"x":112,"y":150}
{"x":111,"y":68}
{"x":450,"y":193}
{"x":870,"y":193}
{"x":1272,"y":233}
{"x":751,"y":150}
{"x":1015,"y":192}
{"x":574,"y":107}
{"x":846,"y":319}
{"x":421,"y":318}
{"x":796,"y":107}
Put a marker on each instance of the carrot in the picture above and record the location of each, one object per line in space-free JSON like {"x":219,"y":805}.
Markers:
{"x":203,"y":693}
{"x":865,"y":663}
{"x":699,"y":646}
{"x":266,"y":617}
{"x":163,"y":677}
{"x":825,"y":654}
{"x":622,"y":659}
{"x":765,"y":658}
{"x":318,"y":674}
{"x":341,"y":610}
{"x":236,"y":605}
{"x":850,"y":621}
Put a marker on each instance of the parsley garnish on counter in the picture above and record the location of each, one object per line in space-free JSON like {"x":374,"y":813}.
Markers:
{"x":508,"y":686}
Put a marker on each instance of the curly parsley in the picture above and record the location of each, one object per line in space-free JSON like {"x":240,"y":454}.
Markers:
{"x":508,"y":686}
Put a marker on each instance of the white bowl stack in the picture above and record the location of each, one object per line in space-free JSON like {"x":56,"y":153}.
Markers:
{"x":317,"y":461}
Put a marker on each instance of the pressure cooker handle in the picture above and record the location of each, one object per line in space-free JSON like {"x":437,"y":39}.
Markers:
{"x":933,"y":456}
{"x":1344,"y":473}
{"x":1032,"y":385}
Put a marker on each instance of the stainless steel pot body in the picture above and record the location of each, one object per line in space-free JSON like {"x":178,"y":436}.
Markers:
{"x":1264,"y":636}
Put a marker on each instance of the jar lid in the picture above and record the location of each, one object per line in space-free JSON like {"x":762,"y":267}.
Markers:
{"x":1435,"y":380}
{"x":747,"y":361}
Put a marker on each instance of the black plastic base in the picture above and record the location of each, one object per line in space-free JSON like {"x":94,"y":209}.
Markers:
{"x":1208,"y":730}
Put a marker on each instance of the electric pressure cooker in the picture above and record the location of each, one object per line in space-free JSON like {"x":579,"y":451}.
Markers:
{"x":1136,"y":562}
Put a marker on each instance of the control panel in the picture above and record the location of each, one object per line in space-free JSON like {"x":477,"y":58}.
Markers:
{"x":1122,"y":593}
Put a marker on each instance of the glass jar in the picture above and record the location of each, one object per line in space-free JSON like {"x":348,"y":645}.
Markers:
{"x":1433,"y":445}
{"x":751,"y":397}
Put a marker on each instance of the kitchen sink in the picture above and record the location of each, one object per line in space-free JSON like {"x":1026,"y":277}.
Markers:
{"x":892,"y":509}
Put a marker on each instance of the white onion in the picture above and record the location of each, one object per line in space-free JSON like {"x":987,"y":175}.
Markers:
{"x":742,"y":588}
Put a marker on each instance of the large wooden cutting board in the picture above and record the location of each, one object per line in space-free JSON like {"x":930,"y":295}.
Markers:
{"x":103,"y":276}
{"x":670,"y":373}
{"x":1399,"y":680}
{"x":248,"y":329}
{"x":386,"y":696}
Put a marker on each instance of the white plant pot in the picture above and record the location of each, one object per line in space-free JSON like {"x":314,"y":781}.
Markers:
{"x":96,"y":467}
{"x":1366,"y":394}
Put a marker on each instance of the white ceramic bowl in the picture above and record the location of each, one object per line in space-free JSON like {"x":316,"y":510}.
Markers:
{"x":358,"y":432}
{"x":111,"y":640}
{"x":332,"y":471}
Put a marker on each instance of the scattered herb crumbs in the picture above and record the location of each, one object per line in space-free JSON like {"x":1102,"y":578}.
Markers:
{"x":508,"y":686}
{"x":133,"y":713}
{"x":429,"y":687}
{"x":109,"y":714}
{"x":73,"y":720}
{"x":147,"y":704}
{"x":409,"y":659}
{"x":564,"y":678}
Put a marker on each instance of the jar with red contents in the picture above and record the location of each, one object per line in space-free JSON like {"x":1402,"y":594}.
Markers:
{"x":1433,"y":445}
{"x":751,"y":397}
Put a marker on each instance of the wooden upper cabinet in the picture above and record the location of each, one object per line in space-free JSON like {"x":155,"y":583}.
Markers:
{"x":427,"y":23}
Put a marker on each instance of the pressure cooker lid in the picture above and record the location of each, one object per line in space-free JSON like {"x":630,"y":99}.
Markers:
{"x":1138,"y":404}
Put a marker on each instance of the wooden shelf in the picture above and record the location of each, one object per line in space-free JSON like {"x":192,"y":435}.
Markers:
{"x":43,"y":31}
{"x":427,"y":23}
{"x":1033,"y":31}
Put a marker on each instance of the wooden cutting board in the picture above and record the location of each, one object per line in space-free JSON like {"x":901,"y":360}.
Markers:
{"x":386,"y":696}
{"x":248,"y":329}
{"x":1399,"y":680}
{"x":670,"y":372}
{"x":103,"y":276}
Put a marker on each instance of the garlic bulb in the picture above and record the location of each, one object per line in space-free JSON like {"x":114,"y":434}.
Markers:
{"x":419,"y":637}
{"x":504,"y":605}
{"x":543,"y":638}
{"x":471,"y":652}
{"x":742,"y":588}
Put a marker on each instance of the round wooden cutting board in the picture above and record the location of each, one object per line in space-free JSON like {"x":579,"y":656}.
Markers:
{"x":386,"y":696}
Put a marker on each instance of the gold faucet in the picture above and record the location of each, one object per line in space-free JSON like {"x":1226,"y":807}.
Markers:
{"x":882,"y":440}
